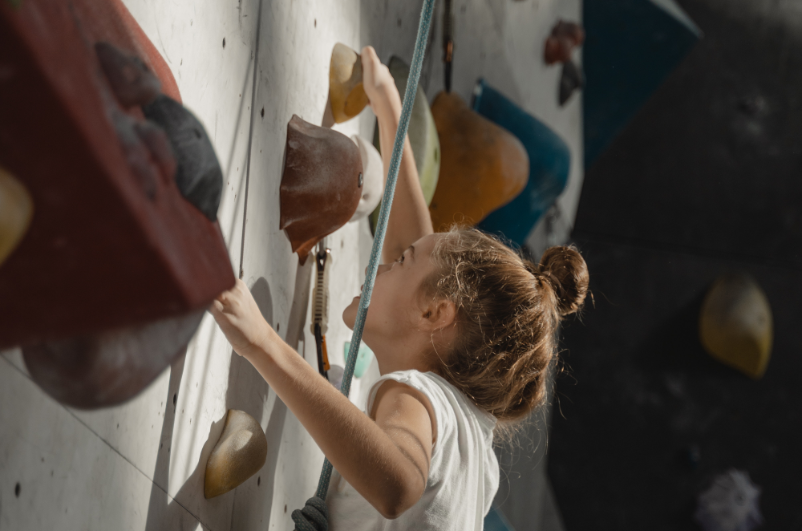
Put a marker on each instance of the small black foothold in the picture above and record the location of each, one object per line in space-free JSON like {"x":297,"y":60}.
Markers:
{"x":263,"y":112}
{"x":224,"y":42}
{"x":258,"y":481}
{"x":16,"y":490}
{"x":175,"y":398}
{"x":315,"y":22}
{"x":118,"y":426}
{"x":278,"y":326}
{"x":570,"y":80}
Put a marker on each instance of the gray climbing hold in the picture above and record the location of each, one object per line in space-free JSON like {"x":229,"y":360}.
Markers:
{"x":199,"y":176}
{"x":130,"y":79}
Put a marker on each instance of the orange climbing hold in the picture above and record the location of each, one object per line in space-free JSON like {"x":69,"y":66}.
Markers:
{"x":483,"y":166}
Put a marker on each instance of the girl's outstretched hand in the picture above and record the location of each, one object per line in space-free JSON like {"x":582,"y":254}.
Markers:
{"x":379,"y":85}
{"x":240,"y":320}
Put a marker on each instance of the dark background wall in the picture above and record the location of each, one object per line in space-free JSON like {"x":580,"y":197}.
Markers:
{"x":706,"y":179}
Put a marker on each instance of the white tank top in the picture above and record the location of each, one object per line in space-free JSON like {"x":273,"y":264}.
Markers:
{"x":463,"y":476}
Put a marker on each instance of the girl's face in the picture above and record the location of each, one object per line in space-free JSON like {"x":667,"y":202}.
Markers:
{"x":397,"y":304}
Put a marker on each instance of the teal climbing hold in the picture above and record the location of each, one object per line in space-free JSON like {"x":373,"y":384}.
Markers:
{"x":549,"y":165}
{"x":363,"y":358}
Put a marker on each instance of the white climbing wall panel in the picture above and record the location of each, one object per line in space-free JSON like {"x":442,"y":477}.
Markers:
{"x":245,"y":67}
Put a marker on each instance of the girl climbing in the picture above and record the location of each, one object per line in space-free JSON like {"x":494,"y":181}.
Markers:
{"x":463,"y":329}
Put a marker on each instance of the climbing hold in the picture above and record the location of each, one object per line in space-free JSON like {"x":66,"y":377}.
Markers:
{"x":129,"y":77}
{"x":549,"y":165}
{"x":198,"y":175}
{"x":158,"y":146}
{"x":114,"y":221}
{"x":16,"y":212}
{"x":730,"y":504}
{"x":570,"y":81}
{"x":372,"y":178}
{"x":239,"y":454}
{"x":658,"y":36}
{"x":735,"y":324}
{"x":346,"y":94}
{"x":111,"y":367}
{"x":564,"y":37}
{"x":363,"y":358}
{"x":320,"y":186}
{"x":483,"y":166}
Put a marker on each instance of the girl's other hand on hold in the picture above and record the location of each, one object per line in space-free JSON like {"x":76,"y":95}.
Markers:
{"x":379,"y":85}
{"x":241,"y":320}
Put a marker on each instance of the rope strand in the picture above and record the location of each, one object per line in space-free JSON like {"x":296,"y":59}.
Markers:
{"x":381,"y":229}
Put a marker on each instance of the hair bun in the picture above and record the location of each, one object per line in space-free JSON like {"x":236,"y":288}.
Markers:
{"x":567,"y":273}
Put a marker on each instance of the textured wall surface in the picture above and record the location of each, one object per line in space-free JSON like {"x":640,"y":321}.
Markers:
{"x":704,"y":181}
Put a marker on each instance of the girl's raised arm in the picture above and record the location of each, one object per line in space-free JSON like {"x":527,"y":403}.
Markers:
{"x":409,"y":217}
{"x":386,"y":461}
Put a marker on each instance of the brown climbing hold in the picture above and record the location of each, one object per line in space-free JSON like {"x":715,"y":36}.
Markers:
{"x":564,"y":37}
{"x":346,"y":94}
{"x":16,"y":211}
{"x":239,"y":454}
{"x":483,"y":166}
{"x":321,"y":184}
{"x":735,"y":324}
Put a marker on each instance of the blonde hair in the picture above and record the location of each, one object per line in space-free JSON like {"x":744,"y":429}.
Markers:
{"x":508,"y":312}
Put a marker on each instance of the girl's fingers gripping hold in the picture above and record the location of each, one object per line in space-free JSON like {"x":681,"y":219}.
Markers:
{"x":378,"y":83}
{"x":240,"y":319}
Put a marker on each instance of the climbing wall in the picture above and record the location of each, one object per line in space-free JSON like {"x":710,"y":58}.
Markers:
{"x":245,"y":67}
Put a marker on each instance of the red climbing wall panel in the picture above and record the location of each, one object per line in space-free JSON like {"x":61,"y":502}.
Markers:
{"x":99,"y":252}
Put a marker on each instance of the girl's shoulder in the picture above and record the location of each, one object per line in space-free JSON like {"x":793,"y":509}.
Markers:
{"x":450,"y":405}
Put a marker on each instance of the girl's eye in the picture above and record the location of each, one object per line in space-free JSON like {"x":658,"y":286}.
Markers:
{"x":400,"y":259}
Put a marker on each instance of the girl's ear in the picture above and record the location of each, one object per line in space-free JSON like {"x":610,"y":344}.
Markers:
{"x":439,"y":315}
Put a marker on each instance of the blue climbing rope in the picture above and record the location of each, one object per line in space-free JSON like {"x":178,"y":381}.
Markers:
{"x":314,"y":516}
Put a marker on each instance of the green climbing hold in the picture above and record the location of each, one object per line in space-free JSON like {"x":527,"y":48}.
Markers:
{"x":422,"y":135}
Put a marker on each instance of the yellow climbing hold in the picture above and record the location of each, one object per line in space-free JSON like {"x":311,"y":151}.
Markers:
{"x":346,"y":94}
{"x":735,"y":325}
{"x":239,"y":454}
{"x":16,"y":212}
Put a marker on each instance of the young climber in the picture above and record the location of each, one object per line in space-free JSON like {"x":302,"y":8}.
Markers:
{"x":463,"y":329}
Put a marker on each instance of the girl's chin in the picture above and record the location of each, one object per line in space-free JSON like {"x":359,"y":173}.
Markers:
{"x":349,"y":317}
